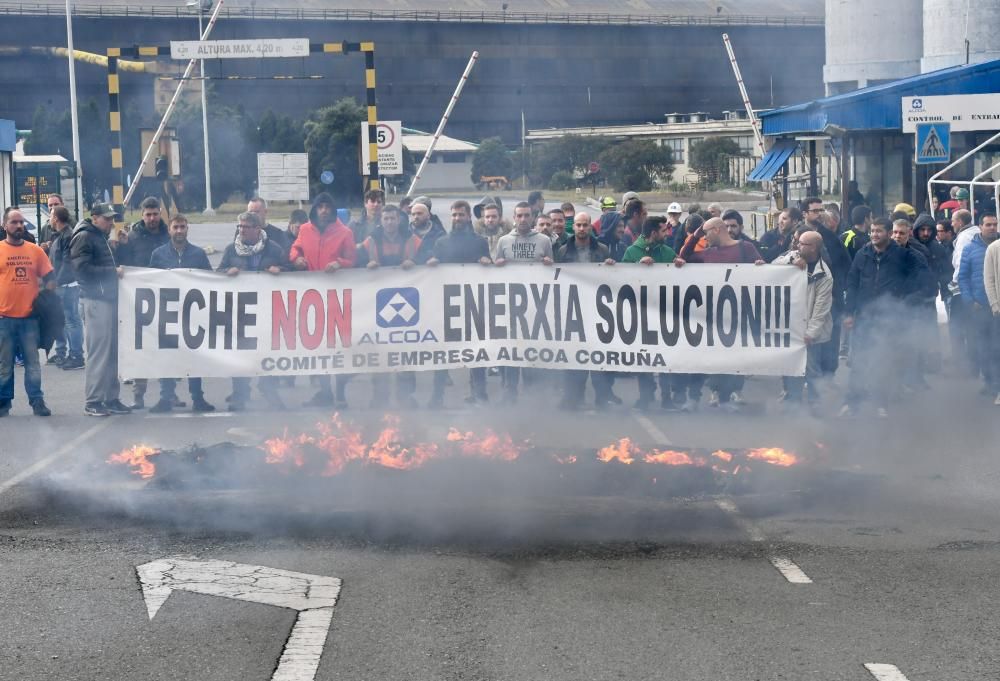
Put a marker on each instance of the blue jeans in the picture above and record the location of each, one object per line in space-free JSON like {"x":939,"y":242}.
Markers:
{"x":21,"y":333}
{"x":70,"y":296}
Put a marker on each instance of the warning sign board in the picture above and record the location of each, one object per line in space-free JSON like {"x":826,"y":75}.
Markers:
{"x":389,"y":135}
{"x":283,"y":177}
{"x":933,"y":144}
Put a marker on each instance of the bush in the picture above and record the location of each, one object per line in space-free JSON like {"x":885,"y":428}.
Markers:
{"x":562,"y":180}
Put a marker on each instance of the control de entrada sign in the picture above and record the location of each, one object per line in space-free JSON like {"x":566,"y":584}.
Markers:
{"x":732,"y":319}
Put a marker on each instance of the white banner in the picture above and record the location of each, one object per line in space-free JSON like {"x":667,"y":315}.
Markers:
{"x":964,"y":112}
{"x":249,"y":48}
{"x":710,"y":319}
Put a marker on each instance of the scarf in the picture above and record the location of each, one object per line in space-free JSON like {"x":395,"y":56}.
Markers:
{"x":245,"y":251}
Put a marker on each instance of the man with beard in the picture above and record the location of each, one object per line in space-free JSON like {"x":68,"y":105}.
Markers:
{"x":779,"y":240}
{"x":981,"y":320}
{"x":461,"y":246}
{"x":23,"y":267}
{"x":324,"y":244}
{"x":275,"y":235}
{"x":722,"y":248}
{"x":523,"y":245}
{"x":180,"y":254}
{"x":734,"y":223}
{"x":144,"y":237}
{"x":882,"y":280}
{"x":490,"y":223}
{"x":426,"y":228}
{"x":253,"y":251}
{"x":584,"y":248}
{"x":391,"y":244}
{"x":920,"y":326}
{"x":98,"y":274}
{"x":840,"y":265}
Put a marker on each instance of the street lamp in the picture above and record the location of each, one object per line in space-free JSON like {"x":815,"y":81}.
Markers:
{"x":204,"y":6}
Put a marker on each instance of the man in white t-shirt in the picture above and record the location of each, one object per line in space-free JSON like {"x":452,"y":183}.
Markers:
{"x":523,"y":245}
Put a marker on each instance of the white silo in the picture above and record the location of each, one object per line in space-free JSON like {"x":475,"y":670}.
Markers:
{"x":947,"y":24}
{"x":869,"y":42}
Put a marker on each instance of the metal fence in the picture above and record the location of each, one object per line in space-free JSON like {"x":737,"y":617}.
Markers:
{"x":452,"y":16}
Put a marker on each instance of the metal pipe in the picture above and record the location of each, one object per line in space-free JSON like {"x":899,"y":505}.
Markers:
{"x":74,"y":116}
{"x":170,"y":108}
{"x":444,"y":121}
{"x":754,"y":121}
{"x":204,"y":128}
{"x":934,"y":178}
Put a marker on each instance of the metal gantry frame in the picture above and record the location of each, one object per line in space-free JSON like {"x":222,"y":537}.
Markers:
{"x":971,"y":184}
{"x":137,"y":51}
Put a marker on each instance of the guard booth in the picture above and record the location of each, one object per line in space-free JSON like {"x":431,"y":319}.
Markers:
{"x":8,"y":142}
{"x":36,"y":178}
{"x":873,"y":133}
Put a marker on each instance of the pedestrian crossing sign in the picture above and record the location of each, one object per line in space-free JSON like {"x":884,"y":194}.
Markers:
{"x":933,"y":142}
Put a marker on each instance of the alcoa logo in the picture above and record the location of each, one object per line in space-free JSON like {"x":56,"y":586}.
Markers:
{"x":917,"y":104}
{"x":397,"y":307}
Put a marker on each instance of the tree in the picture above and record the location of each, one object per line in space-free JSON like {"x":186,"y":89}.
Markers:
{"x":491,"y":159}
{"x":278,"y":134}
{"x":635,"y":165}
{"x":570,"y":153}
{"x":710,"y":158}
{"x":333,"y":139}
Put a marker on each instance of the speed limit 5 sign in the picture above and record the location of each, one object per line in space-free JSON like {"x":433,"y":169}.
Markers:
{"x":389,"y":137}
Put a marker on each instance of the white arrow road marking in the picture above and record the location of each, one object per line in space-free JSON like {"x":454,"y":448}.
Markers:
{"x":313,"y":596}
{"x":885,"y":672}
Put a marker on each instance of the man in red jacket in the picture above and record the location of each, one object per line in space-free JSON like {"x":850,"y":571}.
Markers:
{"x":324,"y":244}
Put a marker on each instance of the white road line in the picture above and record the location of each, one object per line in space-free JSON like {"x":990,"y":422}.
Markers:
{"x":789,"y":570}
{"x":192,"y":415}
{"x":42,"y":464}
{"x":653,"y":430}
{"x":885,"y":672}
{"x":792,"y":572}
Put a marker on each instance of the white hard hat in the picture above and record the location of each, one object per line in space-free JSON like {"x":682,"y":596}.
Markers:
{"x":675,"y":208}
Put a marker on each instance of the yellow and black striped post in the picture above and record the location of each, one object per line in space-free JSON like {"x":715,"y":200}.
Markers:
{"x":115,"y":123}
{"x":373,"y":178}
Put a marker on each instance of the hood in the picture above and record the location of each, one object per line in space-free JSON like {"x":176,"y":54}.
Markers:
{"x":477,"y":210}
{"x":924,"y":220}
{"x":609,"y":223}
{"x":322,"y":198}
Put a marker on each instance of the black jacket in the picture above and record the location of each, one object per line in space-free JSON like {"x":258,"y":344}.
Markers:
{"x":192,"y":257}
{"x":60,"y":257}
{"x":272,"y":255}
{"x":51,"y":318}
{"x":461,"y":246}
{"x":94,"y":263}
{"x":279,"y":238}
{"x":141,"y":244}
{"x":428,"y":240}
{"x":598,"y":252}
{"x":938,"y":257}
{"x":774,"y":243}
{"x":897,"y":273}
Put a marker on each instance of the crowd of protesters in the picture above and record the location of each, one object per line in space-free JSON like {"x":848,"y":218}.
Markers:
{"x":873,"y":289}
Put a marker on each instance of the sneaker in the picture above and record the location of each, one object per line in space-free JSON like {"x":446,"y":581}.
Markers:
{"x":56,"y":360}
{"x":846,"y":411}
{"x":95,"y":409}
{"x":162,"y":407}
{"x":116,"y":407}
{"x":323,"y":398}
{"x":882,"y":412}
{"x":139,"y":403}
{"x":4,"y":408}
{"x":72,"y":363}
{"x":38,"y":408}
{"x":198,"y":404}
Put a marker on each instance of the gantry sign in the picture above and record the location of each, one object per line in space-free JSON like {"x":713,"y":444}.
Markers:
{"x":134,"y":52}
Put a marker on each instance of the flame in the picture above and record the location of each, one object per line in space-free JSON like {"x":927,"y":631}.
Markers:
{"x":624,"y":451}
{"x":489,"y":445}
{"x":776,"y":456}
{"x":138,"y":457}
{"x":565,"y":459}
{"x":671,"y":458}
{"x":724,"y":456}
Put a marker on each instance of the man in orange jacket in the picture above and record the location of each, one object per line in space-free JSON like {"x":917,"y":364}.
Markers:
{"x":324,"y":244}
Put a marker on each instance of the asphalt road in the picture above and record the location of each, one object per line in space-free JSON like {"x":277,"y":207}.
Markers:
{"x":881,"y":547}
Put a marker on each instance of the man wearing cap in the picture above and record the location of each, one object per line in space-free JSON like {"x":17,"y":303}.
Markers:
{"x":426,"y":227}
{"x":674,"y":223}
{"x":97,"y":272}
